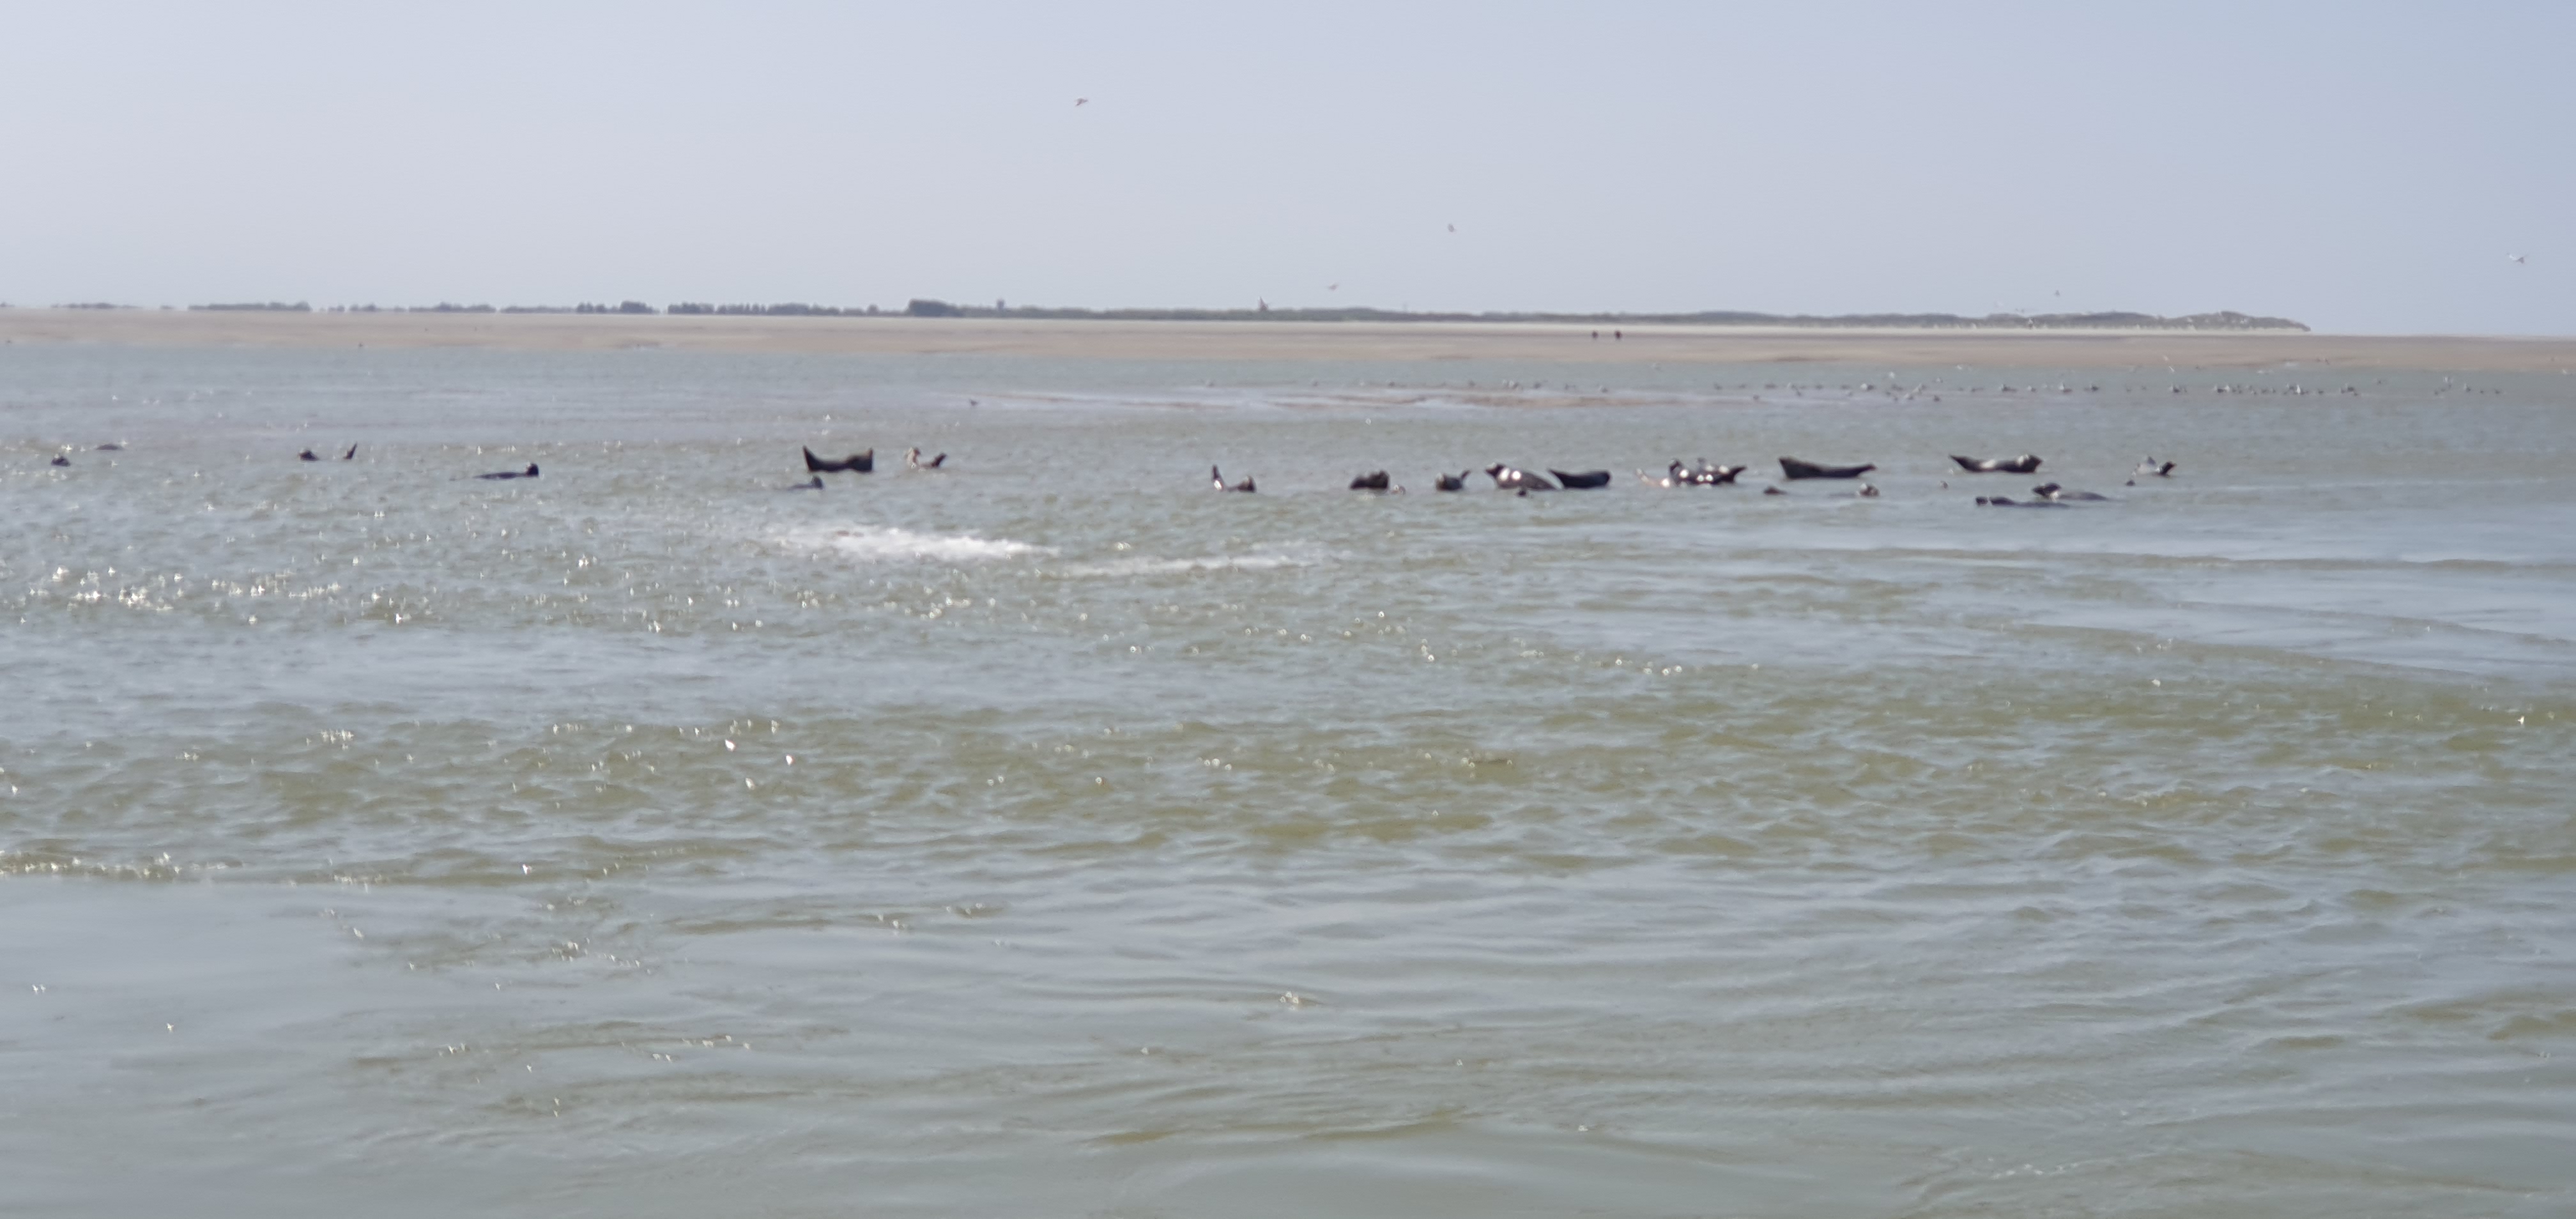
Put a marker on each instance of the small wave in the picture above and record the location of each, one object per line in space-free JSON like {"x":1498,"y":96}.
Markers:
{"x":1168,"y":567}
{"x":887,"y":544}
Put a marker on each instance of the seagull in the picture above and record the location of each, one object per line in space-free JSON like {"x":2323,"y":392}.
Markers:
{"x":2524,"y":259}
{"x":1082,"y":101}
{"x":1453,"y":228}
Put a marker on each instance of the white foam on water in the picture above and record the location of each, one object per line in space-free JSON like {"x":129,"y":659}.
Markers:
{"x":1140,"y":566}
{"x":888,"y":544}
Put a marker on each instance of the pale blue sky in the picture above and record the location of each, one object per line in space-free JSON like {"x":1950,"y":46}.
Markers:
{"x":2361,"y":167}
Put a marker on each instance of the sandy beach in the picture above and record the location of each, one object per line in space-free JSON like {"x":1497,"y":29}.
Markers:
{"x":1279,"y":341}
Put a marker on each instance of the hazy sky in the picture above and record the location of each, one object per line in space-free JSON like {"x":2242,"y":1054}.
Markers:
{"x":2358,"y":166}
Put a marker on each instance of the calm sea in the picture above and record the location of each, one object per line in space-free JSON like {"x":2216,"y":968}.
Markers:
{"x":1051,"y":835}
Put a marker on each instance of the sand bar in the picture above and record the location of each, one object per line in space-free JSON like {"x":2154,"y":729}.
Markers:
{"x":1280,"y":341}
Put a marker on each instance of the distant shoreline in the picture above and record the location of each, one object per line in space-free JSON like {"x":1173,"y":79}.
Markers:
{"x":1283,"y":341}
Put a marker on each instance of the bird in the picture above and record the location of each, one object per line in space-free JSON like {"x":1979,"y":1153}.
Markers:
{"x":1081,"y":101}
{"x":1453,"y":228}
{"x":1333,"y":287}
{"x":2523,"y":259}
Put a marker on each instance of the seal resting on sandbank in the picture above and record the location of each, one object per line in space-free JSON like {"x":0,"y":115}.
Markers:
{"x":2023,"y":464}
{"x":855,"y":463}
{"x":1794,"y":469}
{"x":2053,"y":491}
{"x":530,"y":472}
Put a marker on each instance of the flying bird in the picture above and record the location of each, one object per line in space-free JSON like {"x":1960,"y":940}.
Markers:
{"x":2524,"y":259}
{"x":1453,"y":228}
{"x":1082,"y":101}
{"x":1332,"y":287}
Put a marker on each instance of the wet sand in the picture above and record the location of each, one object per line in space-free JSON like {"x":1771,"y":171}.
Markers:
{"x":1280,"y":341}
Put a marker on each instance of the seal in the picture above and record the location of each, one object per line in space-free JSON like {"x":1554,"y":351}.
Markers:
{"x":59,"y":460}
{"x":2000,"y":501}
{"x":2153,"y":467}
{"x":912,"y":460}
{"x":1592,"y":480}
{"x":1375,"y":481}
{"x":855,"y":463}
{"x":306,"y":455}
{"x":1218,"y":480}
{"x":1793,"y":469}
{"x":1508,"y":479}
{"x":815,"y":485}
{"x":2023,"y":464}
{"x":530,"y":472}
{"x":2054,"y":492}
{"x":1451,"y":482}
{"x":351,"y":455}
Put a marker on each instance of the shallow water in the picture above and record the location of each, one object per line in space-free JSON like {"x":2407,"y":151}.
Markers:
{"x":1053,"y":836}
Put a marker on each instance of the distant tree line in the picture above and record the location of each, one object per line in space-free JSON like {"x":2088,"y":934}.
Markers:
{"x":789,"y":309}
{"x":256,"y":307}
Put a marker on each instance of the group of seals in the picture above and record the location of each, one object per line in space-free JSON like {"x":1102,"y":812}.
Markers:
{"x":1704,"y":475}
{"x":1376,"y":480}
{"x":308,"y":455}
{"x":865,"y":462}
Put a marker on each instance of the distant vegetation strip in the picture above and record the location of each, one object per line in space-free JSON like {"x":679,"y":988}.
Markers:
{"x":2222,"y":320}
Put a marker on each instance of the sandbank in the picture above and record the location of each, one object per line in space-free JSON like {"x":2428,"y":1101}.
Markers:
{"x":1283,"y":341}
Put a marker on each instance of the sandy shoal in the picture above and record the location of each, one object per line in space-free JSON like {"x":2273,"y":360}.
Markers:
{"x":1280,"y":341}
